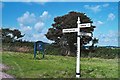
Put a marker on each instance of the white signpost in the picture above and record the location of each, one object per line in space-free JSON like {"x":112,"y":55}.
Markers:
{"x":85,"y":25}
{"x":85,"y":34}
{"x":79,"y":34}
{"x":70,"y":30}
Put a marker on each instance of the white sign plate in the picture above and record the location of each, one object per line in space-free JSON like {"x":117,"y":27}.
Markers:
{"x":70,"y":30}
{"x":85,"y":34}
{"x":84,"y":25}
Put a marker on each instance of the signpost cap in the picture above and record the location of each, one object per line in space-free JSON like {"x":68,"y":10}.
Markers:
{"x":78,"y":20}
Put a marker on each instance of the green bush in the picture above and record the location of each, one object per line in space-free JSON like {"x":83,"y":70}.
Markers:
{"x":107,"y":53}
{"x":51,"y":49}
{"x":18,"y":47}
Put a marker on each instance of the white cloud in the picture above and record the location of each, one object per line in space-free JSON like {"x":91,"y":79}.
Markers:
{"x":109,"y":38}
{"x":45,"y":15}
{"x":41,"y":37}
{"x":25,"y":28}
{"x":33,"y":26}
{"x":111,"y":17}
{"x":93,"y":8}
{"x":98,"y":23}
{"x":27,"y":18}
{"x":96,"y":8}
{"x":112,"y":33}
{"x":37,"y":36}
{"x":39,"y":26}
{"x":106,"y":39}
{"x":105,"y":5}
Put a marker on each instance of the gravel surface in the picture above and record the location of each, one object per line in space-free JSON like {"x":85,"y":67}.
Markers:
{"x":3,"y":67}
{"x":2,"y":74}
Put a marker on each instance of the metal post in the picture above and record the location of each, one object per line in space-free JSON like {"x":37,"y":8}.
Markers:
{"x":78,"y":50}
{"x":34,"y":50}
{"x":43,"y":54}
{"x":42,"y":45}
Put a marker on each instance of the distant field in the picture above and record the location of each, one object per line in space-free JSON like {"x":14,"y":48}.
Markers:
{"x":24,"y":66}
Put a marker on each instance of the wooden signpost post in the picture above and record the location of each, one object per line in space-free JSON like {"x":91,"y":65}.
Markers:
{"x":79,"y":34}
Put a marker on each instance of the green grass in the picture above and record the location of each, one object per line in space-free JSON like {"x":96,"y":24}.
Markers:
{"x":24,"y":66}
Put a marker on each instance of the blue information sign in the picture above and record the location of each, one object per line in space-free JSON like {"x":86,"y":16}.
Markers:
{"x":38,"y":46}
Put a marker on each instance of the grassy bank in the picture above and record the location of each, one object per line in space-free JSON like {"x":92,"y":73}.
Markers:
{"x":24,"y":66}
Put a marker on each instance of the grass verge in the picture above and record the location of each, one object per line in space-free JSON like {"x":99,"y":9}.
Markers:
{"x":24,"y":66}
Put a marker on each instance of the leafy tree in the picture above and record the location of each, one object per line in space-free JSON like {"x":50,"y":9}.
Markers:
{"x":93,"y":47}
{"x":94,"y":41}
{"x":67,"y":41}
{"x":9,"y":35}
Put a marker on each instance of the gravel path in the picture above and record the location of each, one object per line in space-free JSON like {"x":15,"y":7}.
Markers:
{"x":2,"y":74}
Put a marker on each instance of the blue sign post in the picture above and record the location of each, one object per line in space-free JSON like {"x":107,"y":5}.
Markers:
{"x":35,"y":50}
{"x":38,"y":46}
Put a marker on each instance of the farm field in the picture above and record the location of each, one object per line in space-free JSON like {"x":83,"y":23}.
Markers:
{"x":23,"y":65}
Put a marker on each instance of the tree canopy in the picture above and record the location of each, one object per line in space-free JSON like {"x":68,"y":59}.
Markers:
{"x":9,"y":35}
{"x":68,"y":41}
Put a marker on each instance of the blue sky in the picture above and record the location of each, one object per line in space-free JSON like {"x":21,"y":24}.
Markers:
{"x":34,"y":19}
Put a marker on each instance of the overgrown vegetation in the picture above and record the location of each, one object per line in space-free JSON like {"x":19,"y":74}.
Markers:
{"x":100,"y":52}
{"x":24,"y":66}
{"x":106,"y":53}
{"x":52,"y":49}
{"x":18,"y":47}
